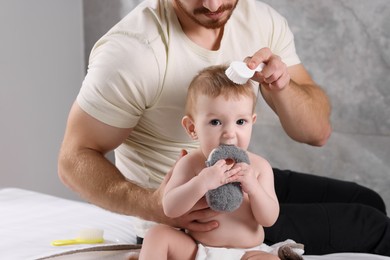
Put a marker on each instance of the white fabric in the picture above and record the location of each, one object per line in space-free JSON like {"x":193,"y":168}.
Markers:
{"x":29,"y":221}
{"x":218,"y":253}
{"x":139,"y":73}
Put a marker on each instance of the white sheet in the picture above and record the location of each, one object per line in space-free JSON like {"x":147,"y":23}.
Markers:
{"x":29,"y":221}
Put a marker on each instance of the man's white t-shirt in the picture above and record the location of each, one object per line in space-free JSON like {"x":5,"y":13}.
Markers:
{"x":139,"y":72}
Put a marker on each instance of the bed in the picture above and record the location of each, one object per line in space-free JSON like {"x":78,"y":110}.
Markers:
{"x":29,"y":221}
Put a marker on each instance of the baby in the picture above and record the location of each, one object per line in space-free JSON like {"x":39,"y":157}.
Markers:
{"x":218,"y":111}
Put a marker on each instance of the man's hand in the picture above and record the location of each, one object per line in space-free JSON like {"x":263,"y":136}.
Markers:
{"x":274,"y":75}
{"x":195,"y":220}
{"x":302,"y":106}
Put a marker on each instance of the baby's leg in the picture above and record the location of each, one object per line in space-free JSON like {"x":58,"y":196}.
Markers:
{"x":259,"y":255}
{"x":165,"y":242}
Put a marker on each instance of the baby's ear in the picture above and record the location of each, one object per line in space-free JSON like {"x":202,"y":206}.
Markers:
{"x":254,"y":117}
{"x":188,"y":123}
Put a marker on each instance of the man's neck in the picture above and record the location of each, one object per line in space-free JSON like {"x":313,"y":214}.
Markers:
{"x":207,"y":38}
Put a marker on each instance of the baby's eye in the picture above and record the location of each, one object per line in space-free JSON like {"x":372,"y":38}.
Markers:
{"x":241,"y":122}
{"x":215,"y":122}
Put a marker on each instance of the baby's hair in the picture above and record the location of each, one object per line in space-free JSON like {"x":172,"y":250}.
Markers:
{"x":213,"y":82}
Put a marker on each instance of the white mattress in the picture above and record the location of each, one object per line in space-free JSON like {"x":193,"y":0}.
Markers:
{"x":29,"y":221}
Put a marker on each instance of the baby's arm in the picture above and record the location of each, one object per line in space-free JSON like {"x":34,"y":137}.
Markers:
{"x":186,"y":187}
{"x":183,"y":189}
{"x":257,"y":180}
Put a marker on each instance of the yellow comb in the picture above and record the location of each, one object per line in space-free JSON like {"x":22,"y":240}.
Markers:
{"x":85,"y":236}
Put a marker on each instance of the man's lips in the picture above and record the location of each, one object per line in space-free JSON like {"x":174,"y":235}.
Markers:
{"x":214,"y":15}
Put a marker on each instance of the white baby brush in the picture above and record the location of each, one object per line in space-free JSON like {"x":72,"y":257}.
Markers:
{"x":239,"y":73}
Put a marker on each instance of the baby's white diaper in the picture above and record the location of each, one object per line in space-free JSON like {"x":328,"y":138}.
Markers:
{"x":217,"y":253}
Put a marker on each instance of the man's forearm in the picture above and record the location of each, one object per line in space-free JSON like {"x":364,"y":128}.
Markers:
{"x":304,"y":112}
{"x":98,"y":181}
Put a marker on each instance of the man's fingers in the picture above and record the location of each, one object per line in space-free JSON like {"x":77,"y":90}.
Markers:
{"x":263,"y":55}
{"x":201,"y":204}
{"x":203,"y":214}
{"x":202,"y":227}
{"x":198,"y":220}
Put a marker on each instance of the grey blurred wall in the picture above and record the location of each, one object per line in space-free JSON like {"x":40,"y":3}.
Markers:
{"x":345,"y":45}
{"x":41,"y":69}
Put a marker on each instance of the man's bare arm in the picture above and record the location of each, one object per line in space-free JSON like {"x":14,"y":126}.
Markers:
{"x":83,"y":167}
{"x":302,"y":106}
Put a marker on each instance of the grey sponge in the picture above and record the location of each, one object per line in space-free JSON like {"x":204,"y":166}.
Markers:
{"x":227,"y":197}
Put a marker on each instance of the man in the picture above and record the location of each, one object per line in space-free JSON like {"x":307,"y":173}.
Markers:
{"x":132,"y":100}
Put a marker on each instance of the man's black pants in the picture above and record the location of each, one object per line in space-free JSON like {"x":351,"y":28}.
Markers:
{"x":328,"y":215}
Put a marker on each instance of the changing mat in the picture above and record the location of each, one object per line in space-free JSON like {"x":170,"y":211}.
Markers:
{"x":29,"y":221}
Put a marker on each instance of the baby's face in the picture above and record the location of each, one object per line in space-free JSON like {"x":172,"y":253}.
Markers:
{"x":224,"y":121}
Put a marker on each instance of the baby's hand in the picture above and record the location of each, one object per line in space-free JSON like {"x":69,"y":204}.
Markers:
{"x":218,"y":174}
{"x":246,"y":175}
